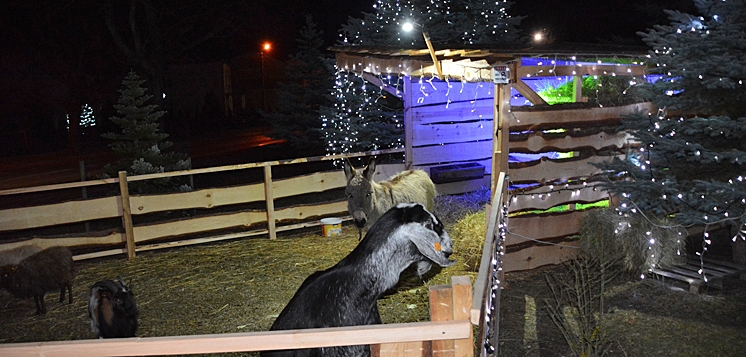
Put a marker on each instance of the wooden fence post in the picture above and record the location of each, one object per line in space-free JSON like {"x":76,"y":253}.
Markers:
{"x":269,"y":197}
{"x":462,"y":300}
{"x":129,"y":232}
{"x":441,"y":309}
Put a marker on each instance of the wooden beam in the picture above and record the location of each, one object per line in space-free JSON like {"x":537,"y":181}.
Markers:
{"x":542,"y":198}
{"x":528,"y":93}
{"x":441,"y":309}
{"x":532,"y":227}
{"x":539,"y":255}
{"x":270,"y":201}
{"x":59,"y":213}
{"x":564,"y":118}
{"x":243,"y":342}
{"x":462,"y":301}
{"x":378,"y":83}
{"x":581,"y":70}
{"x":408,"y":124}
{"x":129,"y":233}
{"x":538,"y":142}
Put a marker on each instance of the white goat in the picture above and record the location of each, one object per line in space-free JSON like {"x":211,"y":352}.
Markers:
{"x":368,"y":200}
{"x":347,"y":293}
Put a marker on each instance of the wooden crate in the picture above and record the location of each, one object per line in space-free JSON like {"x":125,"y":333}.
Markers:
{"x":714,"y":270}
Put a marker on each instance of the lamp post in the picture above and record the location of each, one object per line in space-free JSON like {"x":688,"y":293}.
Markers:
{"x":266,"y":47}
{"x":408,"y":26}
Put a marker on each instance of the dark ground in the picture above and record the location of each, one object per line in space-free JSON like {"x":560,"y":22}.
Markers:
{"x":647,"y":318}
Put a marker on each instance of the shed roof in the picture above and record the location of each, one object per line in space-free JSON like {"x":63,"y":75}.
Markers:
{"x":472,"y":63}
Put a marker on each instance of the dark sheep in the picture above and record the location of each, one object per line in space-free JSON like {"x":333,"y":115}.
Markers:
{"x":347,"y":293}
{"x":34,"y":276}
{"x":112,"y":309}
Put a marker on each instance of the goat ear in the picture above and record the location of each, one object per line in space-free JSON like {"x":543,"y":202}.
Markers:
{"x":370,"y":169}
{"x":428,"y":243}
{"x":349,"y":170}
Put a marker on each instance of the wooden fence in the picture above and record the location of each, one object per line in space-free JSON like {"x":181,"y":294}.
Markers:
{"x":452,"y":123}
{"x":453,"y":310}
{"x":231,"y":219}
{"x":449,"y":333}
{"x":536,"y":237}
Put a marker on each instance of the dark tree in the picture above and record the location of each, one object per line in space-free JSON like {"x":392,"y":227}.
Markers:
{"x":692,"y":152}
{"x":303,"y":93}
{"x":140,"y":147}
{"x":367,"y":117}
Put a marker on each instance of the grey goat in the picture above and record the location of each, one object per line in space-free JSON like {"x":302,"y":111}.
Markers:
{"x":347,"y":293}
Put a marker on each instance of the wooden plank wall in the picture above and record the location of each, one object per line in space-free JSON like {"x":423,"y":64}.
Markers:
{"x":536,"y":239}
{"x":451,"y":123}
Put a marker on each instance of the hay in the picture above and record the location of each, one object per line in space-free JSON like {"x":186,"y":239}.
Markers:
{"x":468,"y":234}
{"x":226,"y":287}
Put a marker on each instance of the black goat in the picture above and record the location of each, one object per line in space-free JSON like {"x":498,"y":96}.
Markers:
{"x":112,"y":309}
{"x":347,"y":293}
{"x":34,"y":276}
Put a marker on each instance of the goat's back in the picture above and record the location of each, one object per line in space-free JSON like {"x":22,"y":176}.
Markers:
{"x":327,"y":298}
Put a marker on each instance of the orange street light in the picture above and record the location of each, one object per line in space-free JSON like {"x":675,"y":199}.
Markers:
{"x":266,"y":47}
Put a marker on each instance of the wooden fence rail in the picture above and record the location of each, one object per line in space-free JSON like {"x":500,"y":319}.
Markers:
{"x":448,"y":334}
{"x":130,"y":237}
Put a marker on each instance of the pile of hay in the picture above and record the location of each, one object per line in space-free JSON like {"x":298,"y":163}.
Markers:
{"x":232,"y":286}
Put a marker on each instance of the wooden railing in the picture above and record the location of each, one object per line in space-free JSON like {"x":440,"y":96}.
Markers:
{"x":130,"y":238}
{"x":485,"y":310}
{"x":449,"y":333}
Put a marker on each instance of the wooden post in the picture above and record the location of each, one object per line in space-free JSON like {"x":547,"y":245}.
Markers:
{"x":462,"y":300}
{"x":84,"y":190}
{"x":501,"y":129}
{"x":441,"y":309}
{"x":129,"y":232}
{"x":269,"y":198}
{"x":408,"y":124}
{"x":577,"y":86}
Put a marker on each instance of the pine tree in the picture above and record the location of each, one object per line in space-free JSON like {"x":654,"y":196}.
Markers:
{"x":364,"y":117}
{"x":297,"y":116}
{"x":450,"y":22}
{"x":139,"y":147}
{"x":360,"y":120}
{"x":692,"y":152}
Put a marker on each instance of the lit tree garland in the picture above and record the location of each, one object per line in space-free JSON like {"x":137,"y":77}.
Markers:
{"x":690,"y":166}
{"x":364,"y":117}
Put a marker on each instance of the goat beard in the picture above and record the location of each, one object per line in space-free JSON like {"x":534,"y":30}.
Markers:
{"x":359,"y":234}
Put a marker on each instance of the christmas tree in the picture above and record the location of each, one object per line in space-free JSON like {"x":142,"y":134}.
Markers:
{"x":365,"y":117}
{"x":297,"y":116}
{"x":691,"y":154}
{"x":139,"y":147}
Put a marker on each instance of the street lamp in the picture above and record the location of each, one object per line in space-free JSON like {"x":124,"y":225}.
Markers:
{"x":266,"y":47}
{"x":409,"y":26}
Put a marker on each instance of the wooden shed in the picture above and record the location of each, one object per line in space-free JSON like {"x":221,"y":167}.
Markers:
{"x":477,"y":107}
